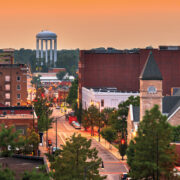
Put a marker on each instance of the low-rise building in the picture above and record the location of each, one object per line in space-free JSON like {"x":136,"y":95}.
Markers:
{"x":21,"y":117}
{"x":104,"y":97}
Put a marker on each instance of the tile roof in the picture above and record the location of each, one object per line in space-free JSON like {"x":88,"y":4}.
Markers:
{"x":169,"y":103}
{"x":151,"y":70}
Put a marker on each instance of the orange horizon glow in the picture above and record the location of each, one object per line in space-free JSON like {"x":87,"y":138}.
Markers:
{"x":89,"y":24}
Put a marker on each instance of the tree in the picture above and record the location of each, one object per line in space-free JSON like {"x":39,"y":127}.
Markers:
{"x":40,"y":174}
{"x":109,"y":134}
{"x":76,"y":159}
{"x":106,"y":112}
{"x":60,"y":75}
{"x":93,"y":117}
{"x":175,"y":133}
{"x":43,"y":111}
{"x":6,"y":174}
{"x":8,"y":140}
{"x":153,"y":157}
{"x":72,"y":96}
{"x":32,"y":140}
{"x":118,"y":118}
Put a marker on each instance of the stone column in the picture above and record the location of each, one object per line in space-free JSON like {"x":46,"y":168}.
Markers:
{"x":51,"y":49}
{"x":41,"y":48}
{"x":37,"y":48}
{"x":55,"y":51}
{"x":46,"y":51}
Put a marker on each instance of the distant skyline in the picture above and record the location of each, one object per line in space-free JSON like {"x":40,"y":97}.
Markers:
{"x":87,"y":24}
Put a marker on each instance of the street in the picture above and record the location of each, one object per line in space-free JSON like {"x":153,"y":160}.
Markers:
{"x":112,"y":166}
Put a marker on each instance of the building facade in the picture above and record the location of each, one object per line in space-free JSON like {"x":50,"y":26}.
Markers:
{"x":104,"y":97}
{"x":121,"y":69}
{"x":21,"y":117}
{"x":13,"y":86}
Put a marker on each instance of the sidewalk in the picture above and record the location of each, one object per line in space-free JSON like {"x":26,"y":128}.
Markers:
{"x":113,"y":150}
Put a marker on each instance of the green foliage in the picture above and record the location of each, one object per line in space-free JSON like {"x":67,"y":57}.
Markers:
{"x":175,"y":133}
{"x":109,"y":134}
{"x":151,"y":155}
{"x":67,"y":59}
{"x":76,"y":158}
{"x":36,"y":174}
{"x":6,"y":174}
{"x":122,"y":149}
{"x":8,"y":138}
{"x":118,"y":118}
{"x":73,"y":92}
{"x":107,"y":112}
{"x":60,"y":75}
{"x":36,"y":81}
{"x":43,"y":111}
{"x":91,"y":118}
{"x":32,"y":141}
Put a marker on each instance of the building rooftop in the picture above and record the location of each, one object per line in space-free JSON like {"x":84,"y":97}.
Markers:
{"x":151,"y":70}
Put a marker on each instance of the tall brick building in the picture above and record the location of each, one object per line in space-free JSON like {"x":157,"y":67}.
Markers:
{"x":13,"y":84}
{"x":121,"y":69}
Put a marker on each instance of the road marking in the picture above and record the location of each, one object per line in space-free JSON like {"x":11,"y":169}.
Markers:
{"x":113,"y":162}
{"x":111,"y":172}
{"x":68,"y":128}
{"x":61,"y":138}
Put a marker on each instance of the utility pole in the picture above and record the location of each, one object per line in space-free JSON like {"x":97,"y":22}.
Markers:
{"x":56,"y":133}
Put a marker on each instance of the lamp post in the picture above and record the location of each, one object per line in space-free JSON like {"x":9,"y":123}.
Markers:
{"x":87,"y":167}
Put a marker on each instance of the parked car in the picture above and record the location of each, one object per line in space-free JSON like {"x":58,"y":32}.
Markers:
{"x":124,"y":176}
{"x":54,"y":149}
{"x":76,"y":125}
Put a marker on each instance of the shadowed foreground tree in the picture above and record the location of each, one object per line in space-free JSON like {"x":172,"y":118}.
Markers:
{"x":76,"y":160}
{"x":151,"y":156}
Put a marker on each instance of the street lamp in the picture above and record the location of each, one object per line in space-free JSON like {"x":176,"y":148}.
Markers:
{"x":87,"y":167}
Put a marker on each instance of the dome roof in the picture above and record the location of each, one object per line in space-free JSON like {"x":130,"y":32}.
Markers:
{"x":46,"y":35}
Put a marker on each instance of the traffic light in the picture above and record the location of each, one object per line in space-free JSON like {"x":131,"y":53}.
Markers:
{"x":49,"y":143}
{"x":122,"y":141}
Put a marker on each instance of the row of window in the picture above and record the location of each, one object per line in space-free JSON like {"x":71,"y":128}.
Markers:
{"x":8,"y":103}
{"x":7,"y":87}
{"x":8,"y":78}
{"x":8,"y":96}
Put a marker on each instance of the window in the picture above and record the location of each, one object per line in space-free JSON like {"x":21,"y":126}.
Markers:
{"x":7,"y":78}
{"x":7,"y":87}
{"x":18,"y":87}
{"x":18,"y":96}
{"x":18,"y":78}
{"x":7,"y":95}
{"x":7,"y":103}
{"x":18,"y":104}
{"x":102,"y":102}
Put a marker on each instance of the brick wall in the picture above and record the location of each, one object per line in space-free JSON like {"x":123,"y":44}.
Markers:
{"x":147,"y":100}
{"x":13,"y":71}
{"x":175,"y":119}
{"x":122,"y":70}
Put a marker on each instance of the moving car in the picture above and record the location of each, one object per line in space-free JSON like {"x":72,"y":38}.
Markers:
{"x":57,"y":107}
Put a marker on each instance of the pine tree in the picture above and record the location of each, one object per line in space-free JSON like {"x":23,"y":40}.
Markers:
{"x":77,"y":161}
{"x":151,"y":156}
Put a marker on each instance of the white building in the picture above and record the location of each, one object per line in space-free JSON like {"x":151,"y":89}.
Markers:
{"x":104,"y":97}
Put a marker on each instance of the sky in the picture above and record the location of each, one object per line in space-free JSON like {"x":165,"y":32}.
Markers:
{"x":86,"y":24}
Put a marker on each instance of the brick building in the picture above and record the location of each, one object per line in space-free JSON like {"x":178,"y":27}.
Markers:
{"x":121,"y":69}
{"x":13,"y":84}
{"x":21,"y":117}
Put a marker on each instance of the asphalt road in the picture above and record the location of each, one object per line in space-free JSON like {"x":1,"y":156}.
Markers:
{"x":112,"y":166}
